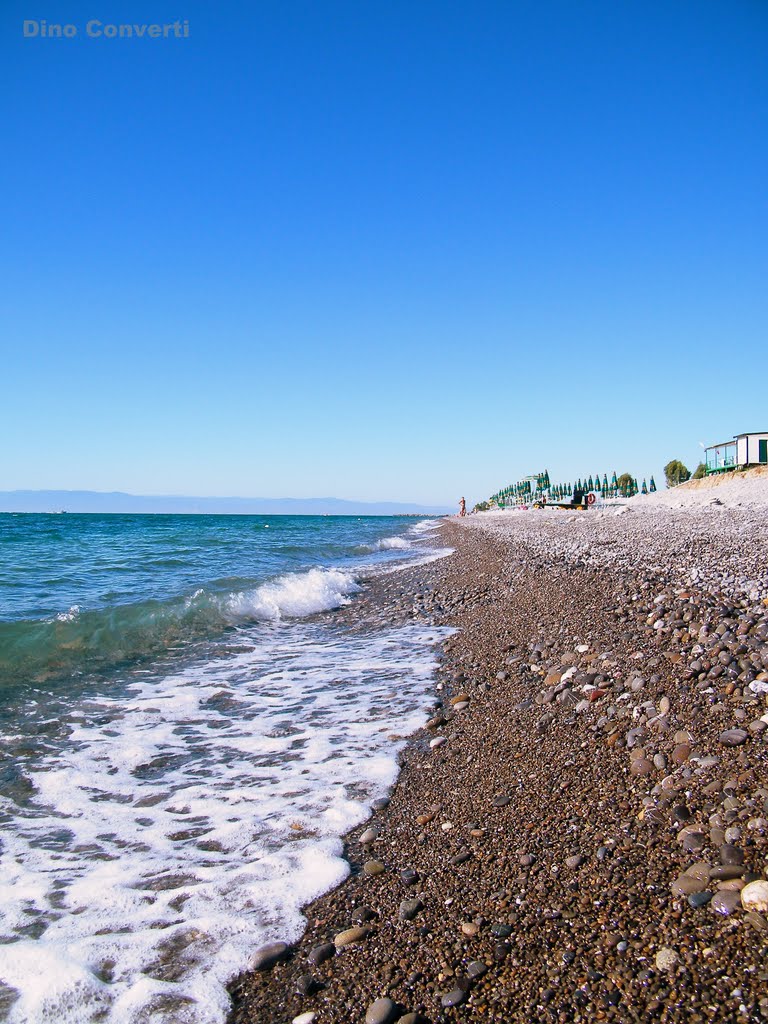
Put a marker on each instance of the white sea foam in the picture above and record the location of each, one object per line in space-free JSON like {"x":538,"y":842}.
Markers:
{"x":425,"y":526}
{"x":187,"y":821}
{"x":70,"y":615}
{"x":392,"y":544}
{"x":294,"y":595}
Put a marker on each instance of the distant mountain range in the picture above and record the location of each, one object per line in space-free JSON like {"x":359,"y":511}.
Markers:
{"x":116,"y":501}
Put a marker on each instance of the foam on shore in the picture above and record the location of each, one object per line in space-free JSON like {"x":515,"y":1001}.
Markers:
{"x":186,"y":823}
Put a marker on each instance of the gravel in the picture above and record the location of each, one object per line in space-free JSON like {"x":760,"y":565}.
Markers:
{"x":584,"y":845}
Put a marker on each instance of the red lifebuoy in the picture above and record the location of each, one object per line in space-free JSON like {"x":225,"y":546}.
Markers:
{"x":591,"y":499}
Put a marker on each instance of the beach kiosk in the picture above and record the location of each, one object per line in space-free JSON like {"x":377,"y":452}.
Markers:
{"x":744,"y":450}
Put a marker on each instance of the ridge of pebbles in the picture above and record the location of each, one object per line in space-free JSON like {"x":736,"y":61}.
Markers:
{"x":590,"y":840}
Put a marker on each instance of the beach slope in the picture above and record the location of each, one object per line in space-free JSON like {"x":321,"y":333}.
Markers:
{"x":581,"y":831}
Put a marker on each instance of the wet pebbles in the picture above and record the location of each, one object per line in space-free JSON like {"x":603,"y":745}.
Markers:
{"x":589,"y":839}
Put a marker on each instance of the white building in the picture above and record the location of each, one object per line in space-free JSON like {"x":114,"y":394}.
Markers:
{"x":743,"y":450}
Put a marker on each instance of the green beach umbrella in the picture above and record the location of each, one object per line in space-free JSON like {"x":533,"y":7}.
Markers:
{"x":645,"y":487}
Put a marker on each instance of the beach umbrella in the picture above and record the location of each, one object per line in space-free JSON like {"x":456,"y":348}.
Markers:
{"x":605,"y":481}
{"x":614,"y":481}
{"x":645,"y":487}
{"x":590,"y":485}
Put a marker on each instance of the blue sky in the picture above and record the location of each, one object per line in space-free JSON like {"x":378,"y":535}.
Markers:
{"x":380,"y":250}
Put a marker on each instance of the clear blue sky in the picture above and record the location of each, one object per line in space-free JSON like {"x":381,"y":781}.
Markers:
{"x":380,"y":249}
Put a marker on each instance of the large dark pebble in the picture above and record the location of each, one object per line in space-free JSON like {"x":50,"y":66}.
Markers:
{"x":266,"y":957}
{"x":321,"y":953}
{"x":457,"y":995}
{"x":381,"y":1011}
{"x":306,"y":985}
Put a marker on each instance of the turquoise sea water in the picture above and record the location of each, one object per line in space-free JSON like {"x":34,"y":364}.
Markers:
{"x":183,"y":741}
{"x":80,"y":593}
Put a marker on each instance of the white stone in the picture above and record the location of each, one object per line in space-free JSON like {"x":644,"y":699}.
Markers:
{"x":754,"y":896}
{"x":666,"y":959}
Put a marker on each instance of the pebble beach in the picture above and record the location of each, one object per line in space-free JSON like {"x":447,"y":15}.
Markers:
{"x":580,"y":831}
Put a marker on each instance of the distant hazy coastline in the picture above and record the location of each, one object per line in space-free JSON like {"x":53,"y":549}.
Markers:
{"x":117,"y":501}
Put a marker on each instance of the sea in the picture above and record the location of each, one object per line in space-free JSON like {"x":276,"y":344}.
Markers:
{"x":186,"y":732}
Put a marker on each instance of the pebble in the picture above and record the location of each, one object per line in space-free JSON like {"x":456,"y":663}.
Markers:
{"x":349,"y":936}
{"x":501,"y":931}
{"x":666,"y":959}
{"x":733,"y":737}
{"x":460,"y":858}
{"x":457,"y":995}
{"x":730,"y":854}
{"x":305,"y":1018}
{"x":408,"y":876}
{"x":369,"y":836}
{"x":699,"y":870}
{"x":266,"y":957}
{"x":438,"y":741}
{"x":373,"y":867}
{"x":306,"y":985}
{"x":693,"y":841}
{"x":687,"y":885}
{"x":754,"y":896}
{"x":725,"y":902}
{"x":321,"y":953}
{"x":381,"y":1011}
{"x":362,"y":914}
{"x":409,"y":909}
{"x":681,"y":753}
{"x":640,"y":766}
{"x":726,"y":872}
{"x":699,"y":899}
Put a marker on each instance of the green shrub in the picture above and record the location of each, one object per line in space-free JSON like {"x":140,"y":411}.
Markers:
{"x":676,"y":473}
{"x":699,"y":472}
{"x":625,"y":483}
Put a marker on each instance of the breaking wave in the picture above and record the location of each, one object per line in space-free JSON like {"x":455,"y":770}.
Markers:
{"x":82,"y":640}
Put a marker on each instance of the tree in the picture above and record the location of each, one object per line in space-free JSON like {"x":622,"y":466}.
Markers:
{"x":699,"y":472}
{"x":481,"y":506}
{"x":625,"y":484}
{"x":676,"y":473}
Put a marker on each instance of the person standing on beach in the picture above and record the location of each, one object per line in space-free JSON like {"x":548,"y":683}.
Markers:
{"x":462,"y":507}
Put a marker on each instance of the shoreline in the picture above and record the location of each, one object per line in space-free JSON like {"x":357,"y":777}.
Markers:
{"x":574,"y":844}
